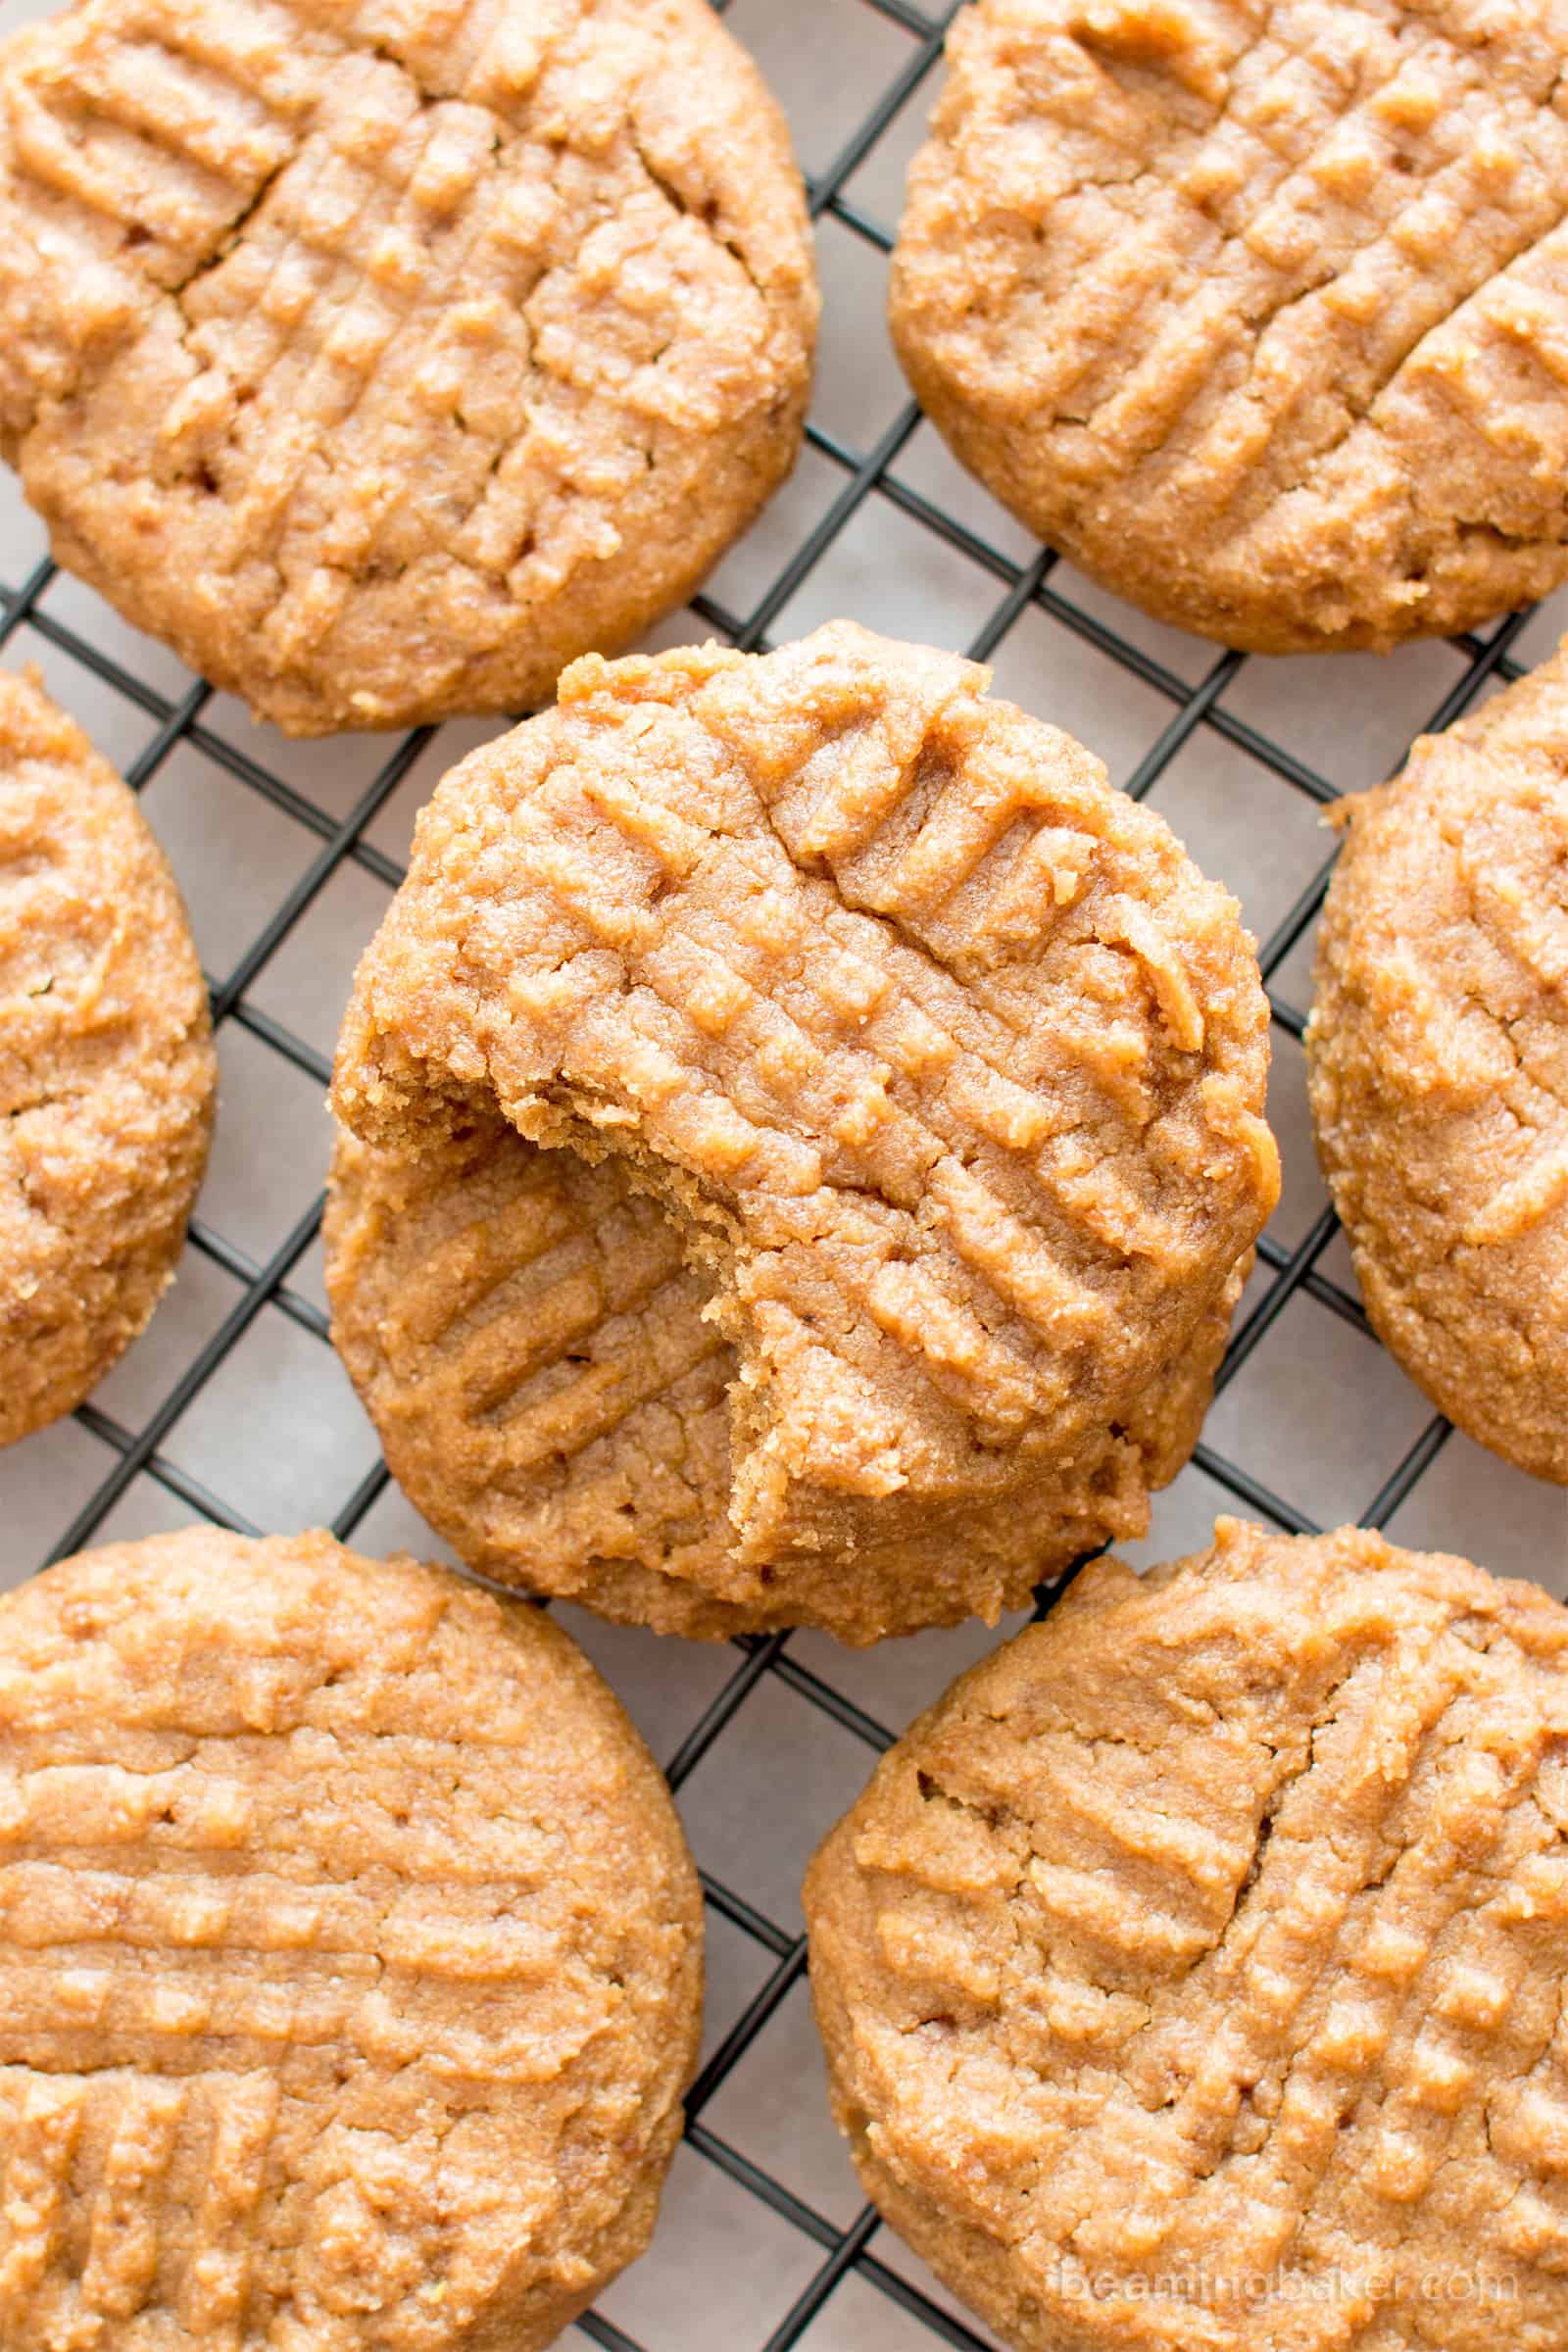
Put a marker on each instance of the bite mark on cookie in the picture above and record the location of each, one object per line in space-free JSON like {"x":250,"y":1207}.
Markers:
{"x":945,"y":1060}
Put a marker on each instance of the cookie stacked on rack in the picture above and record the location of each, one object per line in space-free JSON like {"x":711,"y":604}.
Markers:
{"x":810,"y":1140}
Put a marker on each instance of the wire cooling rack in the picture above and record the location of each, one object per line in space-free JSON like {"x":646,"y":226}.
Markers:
{"x":233,"y":1407}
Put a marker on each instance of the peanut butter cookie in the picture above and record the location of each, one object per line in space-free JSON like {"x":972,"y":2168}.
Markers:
{"x":107,"y":1073}
{"x":1258,"y":313}
{"x":1437,"y":1052}
{"x":350,"y":1959}
{"x":386,"y":360}
{"x":1191,"y":1974}
{"x":945,"y":1060}
{"x":532,"y":1346}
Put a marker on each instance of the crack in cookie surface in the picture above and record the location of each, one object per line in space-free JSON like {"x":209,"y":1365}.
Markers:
{"x":1256,"y":310}
{"x":948,"y":1063}
{"x":552,"y":1395}
{"x":422,"y":349}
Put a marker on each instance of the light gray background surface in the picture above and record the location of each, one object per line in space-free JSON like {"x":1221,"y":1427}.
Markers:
{"x":1319,"y":1415}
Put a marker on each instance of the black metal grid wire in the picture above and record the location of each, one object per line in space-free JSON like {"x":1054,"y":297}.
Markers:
{"x":865,"y":474}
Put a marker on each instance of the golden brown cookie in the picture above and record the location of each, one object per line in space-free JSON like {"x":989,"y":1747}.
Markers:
{"x":945,"y":1058}
{"x":1191,"y":1974}
{"x":386,"y":360}
{"x":531,"y":1344}
{"x":1258,"y":314}
{"x":107,"y":1073}
{"x":350,"y":1959}
{"x":1437,"y":1052}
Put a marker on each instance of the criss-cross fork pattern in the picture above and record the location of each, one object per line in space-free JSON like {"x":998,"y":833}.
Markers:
{"x":866,"y":476}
